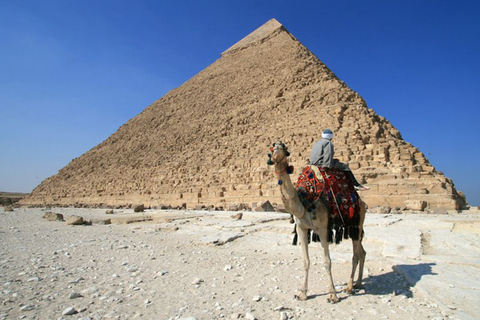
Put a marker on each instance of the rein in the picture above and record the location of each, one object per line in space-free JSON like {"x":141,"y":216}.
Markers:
{"x":283,"y":171}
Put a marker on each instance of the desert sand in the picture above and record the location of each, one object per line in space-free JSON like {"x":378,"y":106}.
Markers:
{"x":206,"y":265}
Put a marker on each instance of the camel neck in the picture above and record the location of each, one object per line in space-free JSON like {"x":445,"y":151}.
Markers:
{"x":289,"y":193}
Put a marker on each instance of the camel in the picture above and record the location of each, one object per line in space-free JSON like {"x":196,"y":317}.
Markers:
{"x":318,"y":222}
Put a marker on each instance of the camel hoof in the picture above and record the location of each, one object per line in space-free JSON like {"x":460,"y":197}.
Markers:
{"x":333,"y":299}
{"x":358,"y":286}
{"x":349,"y":290}
{"x":302,"y":296}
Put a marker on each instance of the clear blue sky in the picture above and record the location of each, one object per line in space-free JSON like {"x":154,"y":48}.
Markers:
{"x":72,"y":72}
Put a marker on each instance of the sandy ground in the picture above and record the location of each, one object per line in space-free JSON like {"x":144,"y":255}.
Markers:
{"x":205,"y":265}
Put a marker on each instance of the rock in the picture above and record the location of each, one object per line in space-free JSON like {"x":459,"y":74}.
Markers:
{"x":250,"y":316}
{"x":76,"y":280}
{"x":69,"y":311}
{"x":197,"y":281}
{"x":220,"y":238}
{"x":440,"y":211}
{"x":256,"y":298}
{"x":139,"y":208}
{"x":237,"y":207}
{"x":227,"y":267}
{"x":132,"y":269}
{"x":233,"y":207}
{"x":90,"y":290}
{"x":283,"y":315}
{"x":51,"y":216}
{"x":34,"y":279}
{"x":381,"y":209}
{"x":109,"y":212}
{"x":237,"y":216}
{"x":101,"y":221}
{"x":8,"y":209}
{"x":265,"y":206}
{"x":415,"y":205}
{"x":27,"y":307}
{"x":396,"y":211}
{"x":74,"y":220}
{"x":74,"y":295}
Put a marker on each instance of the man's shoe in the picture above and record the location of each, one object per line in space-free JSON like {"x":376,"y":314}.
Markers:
{"x":361,"y":188}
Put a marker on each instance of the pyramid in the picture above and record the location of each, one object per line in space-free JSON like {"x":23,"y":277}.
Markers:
{"x":205,"y":143}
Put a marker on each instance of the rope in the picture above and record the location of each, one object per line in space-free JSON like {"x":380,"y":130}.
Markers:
{"x":334,"y":197}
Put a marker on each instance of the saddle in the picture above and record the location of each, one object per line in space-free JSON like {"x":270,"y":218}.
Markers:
{"x":336,"y":191}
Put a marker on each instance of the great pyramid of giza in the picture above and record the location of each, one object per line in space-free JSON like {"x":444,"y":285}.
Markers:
{"x":206,"y":142}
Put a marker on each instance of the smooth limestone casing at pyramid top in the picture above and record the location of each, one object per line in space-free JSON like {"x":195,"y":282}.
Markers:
{"x":206,"y":142}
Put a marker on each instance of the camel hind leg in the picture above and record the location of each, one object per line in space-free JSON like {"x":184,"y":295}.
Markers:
{"x":362,"y":255}
{"x":359,"y":254}
{"x":357,"y":260}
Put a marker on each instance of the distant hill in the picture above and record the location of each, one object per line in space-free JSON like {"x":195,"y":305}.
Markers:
{"x":8,"y":198}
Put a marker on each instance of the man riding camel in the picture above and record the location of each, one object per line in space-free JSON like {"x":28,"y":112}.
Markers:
{"x":322,"y":156}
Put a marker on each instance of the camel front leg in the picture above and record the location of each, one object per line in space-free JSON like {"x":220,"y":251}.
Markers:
{"x":327,"y":262}
{"x":303,"y":238}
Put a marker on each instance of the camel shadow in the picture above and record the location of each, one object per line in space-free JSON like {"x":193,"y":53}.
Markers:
{"x":399,"y":281}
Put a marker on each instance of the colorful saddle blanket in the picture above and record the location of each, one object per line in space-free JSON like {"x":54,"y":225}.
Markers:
{"x":333,"y":187}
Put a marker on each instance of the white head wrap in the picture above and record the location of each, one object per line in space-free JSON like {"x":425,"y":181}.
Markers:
{"x":327,"y":134}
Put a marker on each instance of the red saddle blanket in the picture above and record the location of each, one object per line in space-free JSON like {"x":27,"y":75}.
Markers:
{"x":334,"y":188}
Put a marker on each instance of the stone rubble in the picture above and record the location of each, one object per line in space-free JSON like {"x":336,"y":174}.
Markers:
{"x":254,"y":276}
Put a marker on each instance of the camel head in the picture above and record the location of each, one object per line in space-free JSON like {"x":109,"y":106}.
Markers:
{"x":279,"y":157}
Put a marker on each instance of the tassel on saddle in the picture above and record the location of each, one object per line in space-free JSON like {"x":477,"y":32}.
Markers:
{"x":312,"y":236}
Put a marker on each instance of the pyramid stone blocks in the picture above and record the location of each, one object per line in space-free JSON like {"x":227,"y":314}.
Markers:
{"x":205,"y":143}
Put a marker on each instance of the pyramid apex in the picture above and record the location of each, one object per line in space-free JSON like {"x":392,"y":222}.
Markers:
{"x":264,"y":31}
